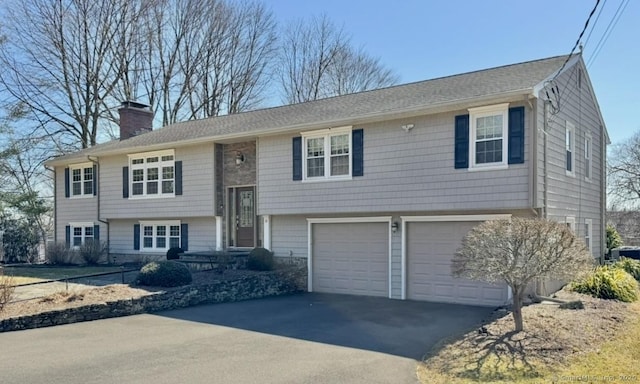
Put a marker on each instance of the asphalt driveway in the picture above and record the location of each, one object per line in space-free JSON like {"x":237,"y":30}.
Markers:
{"x":306,"y":338}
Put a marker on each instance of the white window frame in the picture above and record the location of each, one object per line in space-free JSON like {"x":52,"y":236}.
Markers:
{"x":570,"y":146}
{"x":588,"y":234}
{"x":474,"y":115}
{"x":326,"y":134}
{"x":154,"y":235}
{"x":570,"y":221}
{"x":83,"y":227}
{"x":81,"y":168}
{"x":588,"y":157}
{"x":145,"y":167}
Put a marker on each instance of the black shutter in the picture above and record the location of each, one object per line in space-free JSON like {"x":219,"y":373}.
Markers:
{"x":96,"y":232}
{"x":184,"y":237}
{"x":66,"y":182}
{"x":136,"y":237}
{"x":358,"y":152}
{"x":67,"y":236}
{"x":95,"y":179}
{"x":125,"y":182}
{"x":516,"y":135}
{"x":178,"y":167}
{"x":462,"y":142}
{"x":297,"y":158}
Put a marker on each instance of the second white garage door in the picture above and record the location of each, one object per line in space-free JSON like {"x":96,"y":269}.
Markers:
{"x":430,"y":250}
{"x":351,"y":258}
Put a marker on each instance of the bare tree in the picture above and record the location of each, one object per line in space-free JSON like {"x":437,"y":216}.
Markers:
{"x":519,"y":251}
{"x":624,"y":173}
{"x":58,"y":62}
{"x":317,"y":61}
{"x":197,"y":59}
{"x":356,"y":71}
{"x":69,"y":63}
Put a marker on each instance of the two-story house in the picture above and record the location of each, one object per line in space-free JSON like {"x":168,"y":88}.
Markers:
{"x":372,"y":191}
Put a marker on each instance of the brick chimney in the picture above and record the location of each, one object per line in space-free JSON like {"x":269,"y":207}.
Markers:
{"x":135,"y":119}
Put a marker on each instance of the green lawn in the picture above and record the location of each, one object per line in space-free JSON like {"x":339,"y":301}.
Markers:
{"x":54,"y":272}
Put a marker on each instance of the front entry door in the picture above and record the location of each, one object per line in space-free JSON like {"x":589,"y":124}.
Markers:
{"x":245,"y":216}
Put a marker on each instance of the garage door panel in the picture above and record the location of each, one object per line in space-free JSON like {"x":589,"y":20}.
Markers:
{"x":430,"y":250}
{"x":351,"y":258}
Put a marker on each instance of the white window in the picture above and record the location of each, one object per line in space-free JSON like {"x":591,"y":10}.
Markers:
{"x":159,"y":236}
{"x":81,"y":180}
{"x":81,"y":233}
{"x":488,"y":136}
{"x":152,"y":174}
{"x":570,"y":143}
{"x":587,"y":234}
{"x":327,"y":154}
{"x":587,"y":157}
{"x":570,"y":221}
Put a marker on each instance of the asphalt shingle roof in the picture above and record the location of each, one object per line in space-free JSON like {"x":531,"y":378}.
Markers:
{"x":395,"y":99}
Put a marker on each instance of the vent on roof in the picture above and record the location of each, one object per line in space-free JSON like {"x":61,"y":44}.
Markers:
{"x":135,"y":119}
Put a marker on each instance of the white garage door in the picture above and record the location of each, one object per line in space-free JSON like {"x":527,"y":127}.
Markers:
{"x":351,"y":258}
{"x":430,"y":249}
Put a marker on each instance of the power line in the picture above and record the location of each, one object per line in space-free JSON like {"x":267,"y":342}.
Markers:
{"x":604,"y":4}
{"x":586,"y":24}
{"x":607,"y":32}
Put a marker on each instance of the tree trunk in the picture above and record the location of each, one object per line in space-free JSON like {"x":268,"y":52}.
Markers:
{"x":517,"y":311}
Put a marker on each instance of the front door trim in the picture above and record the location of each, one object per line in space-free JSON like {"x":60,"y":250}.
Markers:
{"x":230,"y":219}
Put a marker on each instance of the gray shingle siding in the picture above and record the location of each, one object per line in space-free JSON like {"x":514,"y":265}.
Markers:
{"x":403,"y":171}
{"x":289,"y":236}
{"x":69,"y":209}
{"x":202,"y":235}
{"x":198,"y":186}
{"x":567,"y":195}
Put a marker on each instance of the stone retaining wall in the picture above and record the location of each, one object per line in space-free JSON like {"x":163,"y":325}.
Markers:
{"x":260,"y":285}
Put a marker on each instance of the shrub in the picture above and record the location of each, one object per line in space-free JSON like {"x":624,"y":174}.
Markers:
{"x":6,"y":289}
{"x":613,"y":238}
{"x":631,"y":266}
{"x":19,"y":240}
{"x":174,"y":253}
{"x":165,"y":273}
{"x":92,"y":251}
{"x":607,"y":282}
{"x":260,"y":259}
{"x":59,"y":254}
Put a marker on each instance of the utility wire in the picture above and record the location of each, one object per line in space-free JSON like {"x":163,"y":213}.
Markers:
{"x":586,"y":24}
{"x":604,"y":4}
{"x":607,"y":32}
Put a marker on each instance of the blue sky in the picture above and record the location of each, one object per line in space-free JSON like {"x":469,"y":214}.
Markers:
{"x":422,"y":39}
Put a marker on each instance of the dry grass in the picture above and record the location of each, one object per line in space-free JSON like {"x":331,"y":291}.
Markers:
{"x":19,"y":280}
{"x":108,"y":293}
{"x":6,"y":289}
{"x":559,"y":344}
{"x":616,"y":360}
{"x":71,"y":299}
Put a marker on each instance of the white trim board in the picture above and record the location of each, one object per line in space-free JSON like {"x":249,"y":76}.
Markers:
{"x":456,"y":217}
{"x":342,"y":220}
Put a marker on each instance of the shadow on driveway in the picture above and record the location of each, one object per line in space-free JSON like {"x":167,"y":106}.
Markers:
{"x":396,"y":327}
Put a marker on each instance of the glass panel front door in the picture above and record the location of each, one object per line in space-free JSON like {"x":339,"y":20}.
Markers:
{"x":245,"y":216}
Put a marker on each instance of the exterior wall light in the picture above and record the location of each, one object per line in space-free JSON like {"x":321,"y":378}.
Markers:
{"x":394,"y":227}
{"x":239,"y":158}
